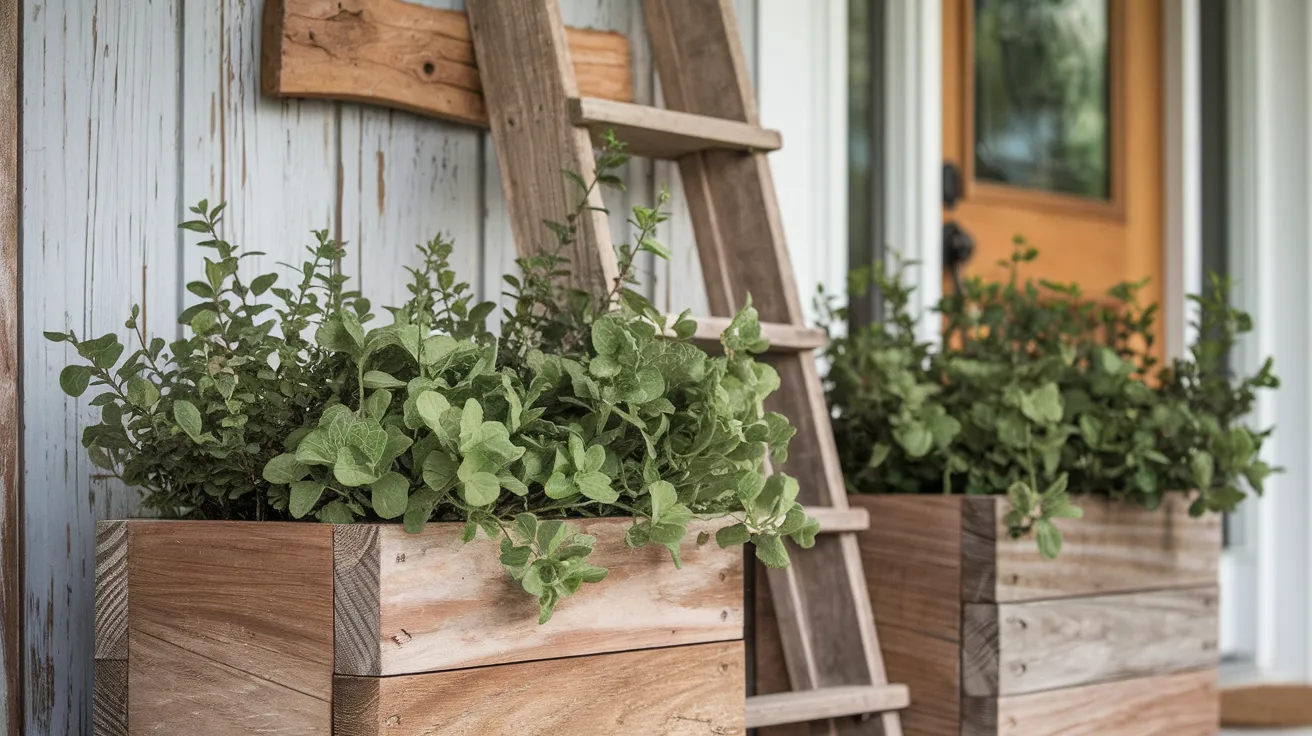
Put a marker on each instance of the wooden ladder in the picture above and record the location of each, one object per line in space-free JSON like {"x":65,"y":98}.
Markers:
{"x":542,"y":127}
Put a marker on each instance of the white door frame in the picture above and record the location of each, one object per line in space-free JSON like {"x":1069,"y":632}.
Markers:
{"x":1269,"y":72}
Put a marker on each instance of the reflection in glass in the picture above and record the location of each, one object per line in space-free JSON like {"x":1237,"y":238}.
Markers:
{"x":1041,"y":95}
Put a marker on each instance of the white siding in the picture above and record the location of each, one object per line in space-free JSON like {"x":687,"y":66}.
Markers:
{"x":134,"y":110}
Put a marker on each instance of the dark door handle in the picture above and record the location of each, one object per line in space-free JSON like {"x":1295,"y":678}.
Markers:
{"x":958,"y":247}
{"x":952,"y":185}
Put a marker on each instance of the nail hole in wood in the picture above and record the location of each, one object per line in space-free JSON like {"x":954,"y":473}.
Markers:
{"x":429,"y":68}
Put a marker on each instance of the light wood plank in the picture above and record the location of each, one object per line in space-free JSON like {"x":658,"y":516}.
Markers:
{"x":111,"y":590}
{"x":173,"y":690}
{"x":677,"y":691}
{"x":527,"y":82}
{"x":931,"y":669}
{"x":109,"y":697}
{"x":407,"y":56}
{"x":1183,"y":704}
{"x":1116,"y":548}
{"x":246,"y":602}
{"x":834,"y":520}
{"x":782,"y":337}
{"x":11,"y":508}
{"x":832,"y":702}
{"x":1015,"y":648}
{"x":479,"y":616}
{"x":655,"y":132}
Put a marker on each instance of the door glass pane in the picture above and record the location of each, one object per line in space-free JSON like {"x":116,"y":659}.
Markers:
{"x":1042,"y":95}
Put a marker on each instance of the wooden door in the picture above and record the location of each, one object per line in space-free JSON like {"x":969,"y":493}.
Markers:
{"x":1053,"y":109}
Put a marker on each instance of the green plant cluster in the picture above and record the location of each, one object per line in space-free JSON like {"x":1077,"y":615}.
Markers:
{"x":579,"y":406}
{"x":1040,"y":392}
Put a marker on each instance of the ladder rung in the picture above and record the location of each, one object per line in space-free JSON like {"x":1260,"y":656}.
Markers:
{"x":840,"y":520}
{"x":782,"y":337}
{"x":654,"y":132}
{"x":800,"y":706}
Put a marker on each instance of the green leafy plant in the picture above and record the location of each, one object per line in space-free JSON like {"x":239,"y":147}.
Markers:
{"x":1040,"y":392}
{"x":579,"y":406}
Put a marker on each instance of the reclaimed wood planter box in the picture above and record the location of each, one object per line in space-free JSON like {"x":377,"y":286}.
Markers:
{"x":1116,"y":636}
{"x":296,"y":628}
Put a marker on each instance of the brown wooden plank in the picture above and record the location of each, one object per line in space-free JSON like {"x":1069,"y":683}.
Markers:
{"x":230,"y":618}
{"x":527,"y":82}
{"x":479,"y":616}
{"x":1182,"y":704}
{"x":1115,"y":548}
{"x":109,"y":697}
{"x":11,"y":508}
{"x":1014,"y":648}
{"x":815,"y":705}
{"x":356,"y":607}
{"x":111,"y":590}
{"x":654,"y":132}
{"x":931,"y":668}
{"x":172,"y":690}
{"x":1267,"y":706}
{"x":766,"y":648}
{"x":675,"y":691}
{"x":407,"y":56}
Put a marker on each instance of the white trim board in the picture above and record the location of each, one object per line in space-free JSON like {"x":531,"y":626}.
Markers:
{"x":1270,"y":190}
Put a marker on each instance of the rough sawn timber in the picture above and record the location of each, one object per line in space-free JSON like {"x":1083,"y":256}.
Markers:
{"x":407,"y":56}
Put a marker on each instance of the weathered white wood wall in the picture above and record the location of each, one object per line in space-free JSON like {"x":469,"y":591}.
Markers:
{"x":135,"y":109}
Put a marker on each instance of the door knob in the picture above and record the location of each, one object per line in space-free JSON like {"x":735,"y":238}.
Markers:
{"x":958,"y":247}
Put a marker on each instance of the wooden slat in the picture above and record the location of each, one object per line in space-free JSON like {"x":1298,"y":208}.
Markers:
{"x":479,"y":616}
{"x":356,"y":604}
{"x":407,"y":56}
{"x":782,"y":337}
{"x":1267,"y":706}
{"x":109,"y":697}
{"x":11,"y":509}
{"x":230,"y":617}
{"x":527,"y":82}
{"x":675,"y":691}
{"x":834,"y":520}
{"x":653,"y":132}
{"x":833,"y":702}
{"x":931,"y":669}
{"x":111,"y":590}
{"x":1015,"y":648}
{"x":1116,"y":548}
{"x":1183,"y":704}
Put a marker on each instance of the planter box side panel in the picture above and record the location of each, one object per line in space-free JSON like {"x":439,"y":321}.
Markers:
{"x":1181,"y":704}
{"x":1016,"y":648}
{"x":912,"y":555}
{"x":230,"y":628}
{"x":674,"y":691}
{"x":446,"y":605}
{"x":1116,"y":548}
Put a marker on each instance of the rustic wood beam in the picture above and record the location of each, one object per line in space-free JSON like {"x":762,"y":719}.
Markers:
{"x":11,"y":508}
{"x":402,"y":55}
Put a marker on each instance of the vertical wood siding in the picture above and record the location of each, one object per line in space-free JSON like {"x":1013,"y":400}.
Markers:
{"x":134,"y":110}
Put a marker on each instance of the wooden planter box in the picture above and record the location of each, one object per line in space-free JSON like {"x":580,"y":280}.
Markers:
{"x":297,"y":628}
{"x":1116,"y":636}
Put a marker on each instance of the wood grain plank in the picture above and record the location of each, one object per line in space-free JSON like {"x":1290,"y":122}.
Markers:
{"x":173,"y":690}
{"x":654,"y":132}
{"x":248,"y":601}
{"x":11,"y":508}
{"x":1182,"y":704}
{"x":1014,"y":648}
{"x":111,"y":590}
{"x":481,"y":616}
{"x":109,"y":697}
{"x":356,"y":604}
{"x":1116,"y":548}
{"x":931,"y":668}
{"x":527,"y":82}
{"x":814,"y":705}
{"x":407,"y":56}
{"x":1267,"y":706}
{"x":677,"y":691}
